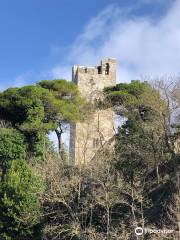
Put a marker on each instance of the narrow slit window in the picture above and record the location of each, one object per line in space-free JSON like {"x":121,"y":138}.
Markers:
{"x":99,"y":70}
{"x":107,"y":69}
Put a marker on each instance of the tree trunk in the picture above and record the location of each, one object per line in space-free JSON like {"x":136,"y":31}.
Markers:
{"x":108,"y":222}
{"x":59,"y":137}
{"x":157,"y":174}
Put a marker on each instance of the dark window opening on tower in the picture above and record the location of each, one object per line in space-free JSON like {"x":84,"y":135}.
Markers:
{"x":107,"y":69}
{"x":99,"y":69}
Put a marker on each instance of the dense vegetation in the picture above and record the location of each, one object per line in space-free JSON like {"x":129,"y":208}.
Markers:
{"x":136,"y":184}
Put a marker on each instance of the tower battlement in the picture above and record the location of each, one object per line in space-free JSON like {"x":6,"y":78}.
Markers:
{"x":105,"y":68}
{"x":96,"y":78}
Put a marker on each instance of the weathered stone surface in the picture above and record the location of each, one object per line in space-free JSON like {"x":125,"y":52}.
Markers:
{"x":177,"y":146}
{"x":88,"y":137}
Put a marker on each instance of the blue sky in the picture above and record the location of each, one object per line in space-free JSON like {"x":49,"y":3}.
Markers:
{"x":42,"y":39}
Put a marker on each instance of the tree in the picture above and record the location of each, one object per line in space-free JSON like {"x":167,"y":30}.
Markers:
{"x":146,"y":113}
{"x":145,"y":143}
{"x":36,"y":110}
{"x":64,"y":105}
{"x":19,"y":204}
{"x":23,"y":107}
{"x":12,"y":147}
{"x":19,"y":189}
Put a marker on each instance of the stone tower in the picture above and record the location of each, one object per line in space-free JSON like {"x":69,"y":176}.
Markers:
{"x":88,"y":137}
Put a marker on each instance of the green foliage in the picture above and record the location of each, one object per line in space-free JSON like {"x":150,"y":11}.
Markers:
{"x":34,"y":120}
{"x":33,"y":111}
{"x":127,"y":94}
{"x":40,"y":107}
{"x":19,"y":189}
{"x":63,"y":105}
{"x":61,"y":88}
{"x":64,"y":102}
{"x":137,"y":98}
{"x":133,"y":150}
{"x":39,"y":147}
{"x":24,"y":108}
{"x":143,"y":150}
{"x":12,"y":144}
{"x":12,"y":147}
{"x":134,"y":88}
{"x":19,"y":205}
{"x":36,"y":110}
{"x":141,"y":139}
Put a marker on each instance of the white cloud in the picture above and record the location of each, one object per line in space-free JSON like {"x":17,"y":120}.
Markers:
{"x":142,"y":46}
{"x":63,"y":72}
{"x":151,"y":1}
{"x":19,"y":81}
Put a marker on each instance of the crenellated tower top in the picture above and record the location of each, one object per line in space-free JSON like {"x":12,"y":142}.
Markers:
{"x":91,"y":79}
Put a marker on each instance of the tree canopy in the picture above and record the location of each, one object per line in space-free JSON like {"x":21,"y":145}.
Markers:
{"x":44,"y":107}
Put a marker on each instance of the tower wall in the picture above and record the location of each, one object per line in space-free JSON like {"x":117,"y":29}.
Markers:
{"x":88,"y":137}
